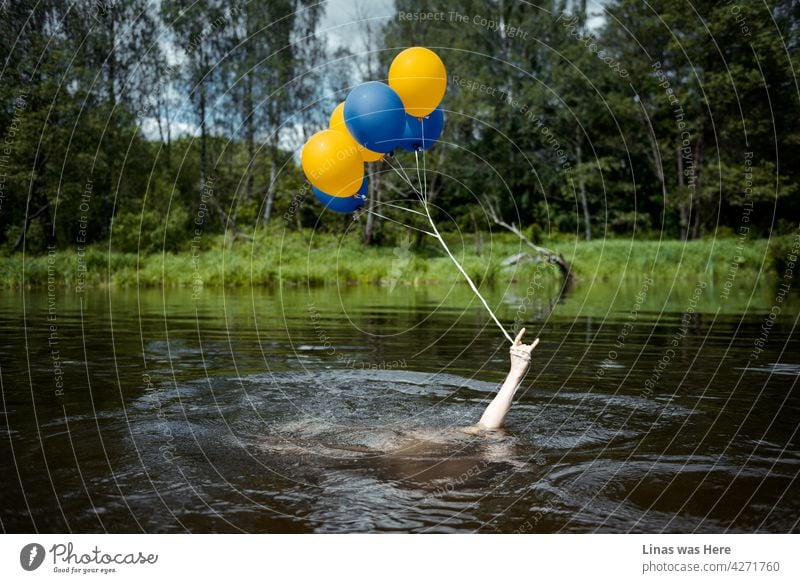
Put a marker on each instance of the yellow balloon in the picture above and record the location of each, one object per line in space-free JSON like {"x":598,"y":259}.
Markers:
{"x":420,"y":79}
{"x":337,"y":123}
{"x":369,"y":155}
{"x":337,"y":119}
{"x":331,"y":162}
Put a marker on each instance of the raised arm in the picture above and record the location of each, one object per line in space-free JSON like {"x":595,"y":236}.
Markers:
{"x":495,"y":415}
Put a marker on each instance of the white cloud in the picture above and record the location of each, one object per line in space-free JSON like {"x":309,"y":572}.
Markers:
{"x":596,"y":10}
{"x":179,"y":129}
{"x":341,"y":23}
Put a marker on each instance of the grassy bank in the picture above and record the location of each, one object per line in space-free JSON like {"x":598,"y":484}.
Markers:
{"x":316,"y":259}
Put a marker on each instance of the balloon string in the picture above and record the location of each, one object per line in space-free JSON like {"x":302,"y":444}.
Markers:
{"x":419,"y":179}
{"x":422,"y":191}
{"x":399,"y":223}
{"x":396,"y":171}
{"x":402,"y":176}
{"x":408,"y":178}
{"x":424,"y":166}
{"x":402,"y":208}
{"x":438,"y":236}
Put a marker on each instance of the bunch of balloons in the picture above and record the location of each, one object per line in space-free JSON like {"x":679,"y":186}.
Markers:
{"x":373,"y":121}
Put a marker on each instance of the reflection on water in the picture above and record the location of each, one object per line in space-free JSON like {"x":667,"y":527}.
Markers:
{"x":338,"y":410}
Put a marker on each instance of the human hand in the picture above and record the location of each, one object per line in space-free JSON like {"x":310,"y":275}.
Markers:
{"x":521,"y":353}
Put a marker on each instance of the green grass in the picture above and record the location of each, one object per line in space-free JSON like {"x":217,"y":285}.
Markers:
{"x":294,"y":258}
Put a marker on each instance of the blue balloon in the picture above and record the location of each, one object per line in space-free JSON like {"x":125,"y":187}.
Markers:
{"x":423,"y":133}
{"x":375,"y":116}
{"x":343,"y":204}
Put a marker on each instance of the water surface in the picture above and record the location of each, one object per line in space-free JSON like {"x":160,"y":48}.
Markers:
{"x":342,"y":410}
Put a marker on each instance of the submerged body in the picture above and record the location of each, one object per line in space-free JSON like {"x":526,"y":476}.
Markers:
{"x":422,"y":455}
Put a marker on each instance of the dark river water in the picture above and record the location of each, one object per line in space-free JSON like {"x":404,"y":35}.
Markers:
{"x":648,"y":408}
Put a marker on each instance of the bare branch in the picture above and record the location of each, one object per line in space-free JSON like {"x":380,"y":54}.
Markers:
{"x":492,"y":209}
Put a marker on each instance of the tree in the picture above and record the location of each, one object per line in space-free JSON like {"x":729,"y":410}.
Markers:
{"x":202,"y":30}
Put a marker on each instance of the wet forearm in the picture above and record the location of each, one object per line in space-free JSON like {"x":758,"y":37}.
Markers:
{"x":495,"y":413}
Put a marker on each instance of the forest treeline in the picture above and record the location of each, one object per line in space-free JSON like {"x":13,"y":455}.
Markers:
{"x":147,"y":123}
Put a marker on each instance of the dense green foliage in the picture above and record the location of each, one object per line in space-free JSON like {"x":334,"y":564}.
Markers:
{"x":310,"y":259}
{"x":173,"y":127}
{"x":654,"y":117}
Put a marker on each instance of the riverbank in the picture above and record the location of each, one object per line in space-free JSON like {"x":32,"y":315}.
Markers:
{"x":316,"y":259}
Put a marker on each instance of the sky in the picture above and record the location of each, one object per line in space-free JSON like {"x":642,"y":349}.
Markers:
{"x":341,"y":25}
